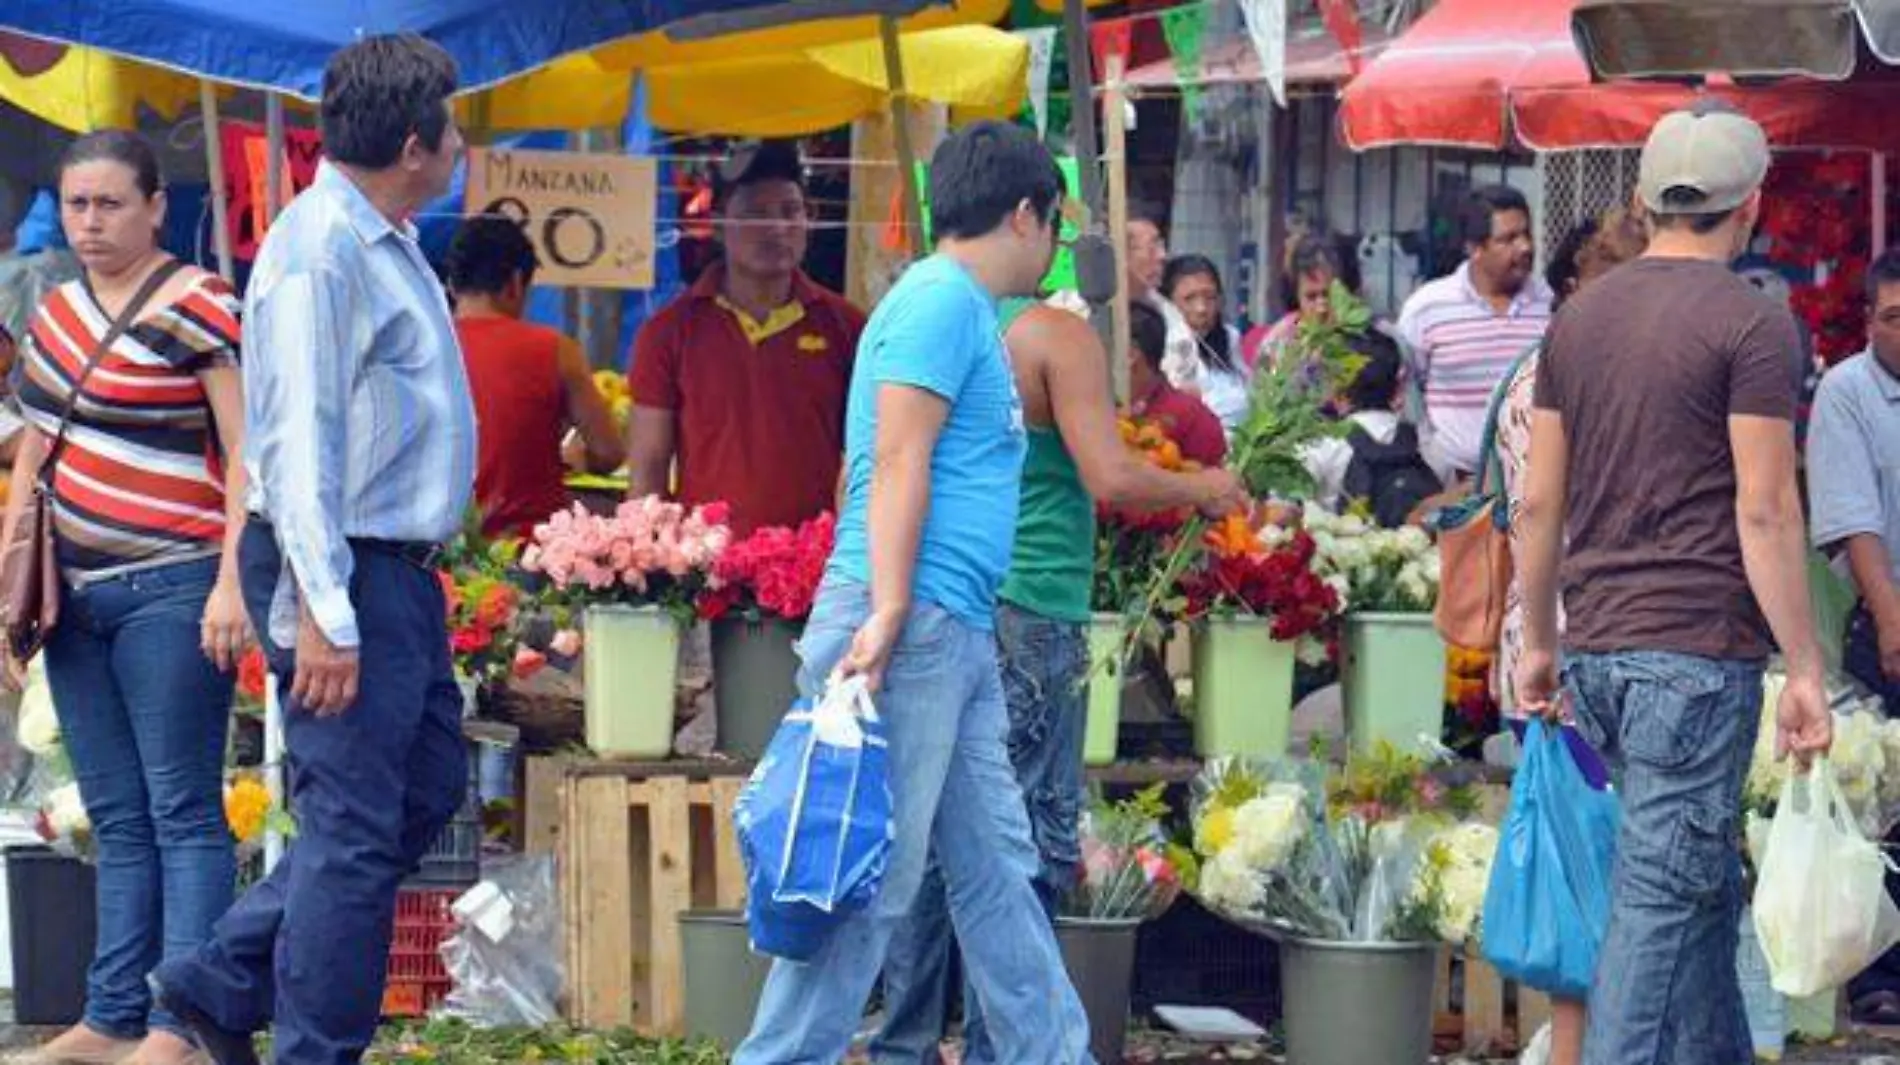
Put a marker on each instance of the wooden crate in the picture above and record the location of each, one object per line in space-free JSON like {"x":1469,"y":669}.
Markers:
{"x":639,"y":845}
{"x":1497,"y":1016}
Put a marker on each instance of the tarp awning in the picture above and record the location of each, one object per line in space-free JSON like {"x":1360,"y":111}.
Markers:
{"x":1741,"y":38}
{"x":782,"y":81}
{"x":1493,"y":74}
{"x":283,"y":45}
{"x":1311,"y":59}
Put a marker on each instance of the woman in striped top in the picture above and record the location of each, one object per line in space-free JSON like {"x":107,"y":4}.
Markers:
{"x":147,"y":497}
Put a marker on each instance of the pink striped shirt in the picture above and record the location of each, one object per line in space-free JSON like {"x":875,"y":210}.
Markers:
{"x":1459,"y":347}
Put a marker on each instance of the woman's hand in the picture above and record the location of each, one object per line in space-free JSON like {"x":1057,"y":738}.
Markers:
{"x":227,"y":628}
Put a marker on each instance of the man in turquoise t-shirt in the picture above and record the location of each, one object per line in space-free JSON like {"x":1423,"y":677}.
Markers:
{"x":934,"y":445}
{"x":1076,"y":458}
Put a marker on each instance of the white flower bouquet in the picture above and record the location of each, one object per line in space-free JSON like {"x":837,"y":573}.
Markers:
{"x":1378,"y":853}
{"x":1373,"y":570}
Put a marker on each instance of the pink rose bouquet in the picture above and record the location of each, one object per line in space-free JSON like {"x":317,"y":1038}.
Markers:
{"x":649,"y":552}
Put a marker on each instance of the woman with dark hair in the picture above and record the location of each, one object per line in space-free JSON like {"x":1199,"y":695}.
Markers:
{"x":1192,"y":283}
{"x":1312,"y":264}
{"x":135,"y":419}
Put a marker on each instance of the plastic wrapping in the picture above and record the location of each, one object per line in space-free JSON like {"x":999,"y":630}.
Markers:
{"x":1821,"y":908}
{"x":504,"y":960}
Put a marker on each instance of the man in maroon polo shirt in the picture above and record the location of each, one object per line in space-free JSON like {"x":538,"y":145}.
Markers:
{"x":742,"y":380}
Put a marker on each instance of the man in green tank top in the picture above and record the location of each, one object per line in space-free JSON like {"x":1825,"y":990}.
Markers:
{"x":1075,"y":459}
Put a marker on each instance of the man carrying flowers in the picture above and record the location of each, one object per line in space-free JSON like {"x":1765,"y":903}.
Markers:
{"x":1076,"y":458}
{"x":934,"y":446}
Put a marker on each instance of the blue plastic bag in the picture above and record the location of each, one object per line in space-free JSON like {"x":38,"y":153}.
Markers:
{"x":814,"y":822}
{"x":1548,"y":903}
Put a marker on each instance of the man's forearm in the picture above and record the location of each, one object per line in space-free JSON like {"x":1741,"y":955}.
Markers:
{"x":1542,"y":546}
{"x":1872,"y":566}
{"x":646,"y":477}
{"x":1774,"y":554}
{"x":1142,"y":486}
{"x":900,"y":500}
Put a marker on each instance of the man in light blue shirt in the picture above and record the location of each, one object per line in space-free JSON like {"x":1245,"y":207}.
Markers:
{"x":934,"y":444}
{"x":1854,"y":483}
{"x":361,"y":457}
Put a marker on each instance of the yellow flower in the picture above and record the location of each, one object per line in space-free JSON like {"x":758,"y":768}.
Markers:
{"x":1215,"y":831}
{"x":246,"y":807}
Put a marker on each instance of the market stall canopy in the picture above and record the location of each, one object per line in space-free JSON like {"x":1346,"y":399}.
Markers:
{"x":1741,"y":38}
{"x":282,"y":45}
{"x":979,"y":70}
{"x":806,"y":67}
{"x":1493,"y":74}
{"x":1312,"y":59}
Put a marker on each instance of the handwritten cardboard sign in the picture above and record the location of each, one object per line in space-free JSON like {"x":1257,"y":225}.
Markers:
{"x":590,"y":216}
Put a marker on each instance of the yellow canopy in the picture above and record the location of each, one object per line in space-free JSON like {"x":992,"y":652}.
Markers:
{"x":976,"y":69}
{"x":86,"y":90}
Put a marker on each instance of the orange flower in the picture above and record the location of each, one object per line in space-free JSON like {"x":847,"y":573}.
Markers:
{"x":1232,"y":537}
{"x":497,"y":606}
{"x":1168,"y":455}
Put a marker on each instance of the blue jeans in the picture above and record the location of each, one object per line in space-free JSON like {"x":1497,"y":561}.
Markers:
{"x":307,"y":947}
{"x":955,"y":799}
{"x":1045,"y":663}
{"x":1678,"y":731}
{"x":145,"y":715}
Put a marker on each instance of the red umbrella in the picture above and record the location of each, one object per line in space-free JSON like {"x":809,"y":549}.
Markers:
{"x":1490,"y":74}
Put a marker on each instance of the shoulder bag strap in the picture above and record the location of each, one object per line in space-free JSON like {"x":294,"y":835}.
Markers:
{"x":113,"y":332}
{"x":1490,"y":467}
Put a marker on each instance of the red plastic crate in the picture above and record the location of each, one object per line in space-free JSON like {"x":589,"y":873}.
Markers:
{"x":416,"y":980}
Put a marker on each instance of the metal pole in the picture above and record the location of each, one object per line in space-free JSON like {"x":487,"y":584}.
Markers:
{"x":274,"y":781}
{"x":1115,"y":114}
{"x":1088,"y":150}
{"x":214,"y":163}
{"x":273,"y":156}
{"x":1879,"y":220}
{"x":900,"y":130}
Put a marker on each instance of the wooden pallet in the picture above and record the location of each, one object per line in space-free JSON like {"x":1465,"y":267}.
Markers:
{"x":1497,"y":1016}
{"x":638,"y":846}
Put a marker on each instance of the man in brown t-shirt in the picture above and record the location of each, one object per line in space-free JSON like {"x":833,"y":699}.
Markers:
{"x":1663,"y":442}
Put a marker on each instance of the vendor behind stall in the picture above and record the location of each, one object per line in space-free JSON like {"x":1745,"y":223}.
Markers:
{"x":742,"y":380}
{"x":530,"y":383}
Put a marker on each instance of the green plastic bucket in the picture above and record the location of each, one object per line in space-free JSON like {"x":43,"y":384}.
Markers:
{"x":631,"y":665}
{"x":1357,"y":1003}
{"x":1394,"y":680}
{"x":1243,"y":689}
{"x":723,"y":977}
{"x":755,"y":679}
{"x":1106,"y":677}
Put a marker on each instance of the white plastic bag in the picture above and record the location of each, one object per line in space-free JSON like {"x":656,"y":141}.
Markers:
{"x":1821,"y":908}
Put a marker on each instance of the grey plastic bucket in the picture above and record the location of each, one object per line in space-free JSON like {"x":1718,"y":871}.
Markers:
{"x":1357,"y":1003}
{"x":755,"y":679}
{"x":723,"y":977}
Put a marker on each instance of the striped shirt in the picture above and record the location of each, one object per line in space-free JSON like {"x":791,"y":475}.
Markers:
{"x":360,"y":420}
{"x":1458,"y":348}
{"x":141,"y":478}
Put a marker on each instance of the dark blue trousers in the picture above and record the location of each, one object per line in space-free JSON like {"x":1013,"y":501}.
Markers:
{"x":304,"y":951}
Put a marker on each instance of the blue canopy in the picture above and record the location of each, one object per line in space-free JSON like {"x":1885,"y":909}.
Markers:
{"x":283,"y":44}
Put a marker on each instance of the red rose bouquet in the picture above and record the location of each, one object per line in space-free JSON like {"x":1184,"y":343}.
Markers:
{"x":775,"y":572}
{"x":1266,"y":576}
